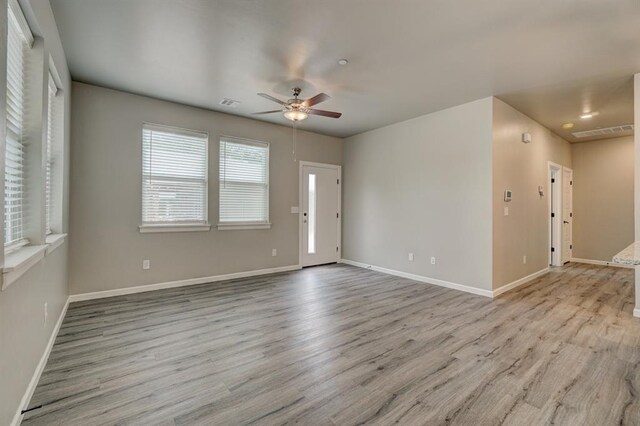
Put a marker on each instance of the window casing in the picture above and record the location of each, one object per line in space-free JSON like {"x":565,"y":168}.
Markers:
{"x":174,"y":176}
{"x":244,"y":182}
{"x":19,"y":41}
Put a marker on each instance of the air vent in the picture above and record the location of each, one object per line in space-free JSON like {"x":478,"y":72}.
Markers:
{"x":229,"y":103}
{"x":604,"y":132}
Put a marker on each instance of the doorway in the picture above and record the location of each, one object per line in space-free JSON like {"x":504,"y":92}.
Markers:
{"x":561,"y":214}
{"x":320,"y":218}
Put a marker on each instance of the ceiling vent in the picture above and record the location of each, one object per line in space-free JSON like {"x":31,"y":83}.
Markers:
{"x":604,"y":132}
{"x":229,"y":103}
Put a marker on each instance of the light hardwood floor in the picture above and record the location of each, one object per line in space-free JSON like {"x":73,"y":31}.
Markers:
{"x":342,"y":345}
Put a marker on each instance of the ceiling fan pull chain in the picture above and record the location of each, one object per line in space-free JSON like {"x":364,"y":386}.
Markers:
{"x":295,"y":126}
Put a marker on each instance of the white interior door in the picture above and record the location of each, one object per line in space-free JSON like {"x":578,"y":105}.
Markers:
{"x":567,"y":214}
{"x":320,"y":214}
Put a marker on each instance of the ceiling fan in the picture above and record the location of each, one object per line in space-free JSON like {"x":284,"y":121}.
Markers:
{"x":297,"y":109}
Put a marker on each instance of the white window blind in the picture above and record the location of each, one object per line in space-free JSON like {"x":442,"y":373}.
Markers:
{"x":51,"y":134}
{"x":19,"y":40}
{"x":244,"y":181}
{"x":174,"y":175}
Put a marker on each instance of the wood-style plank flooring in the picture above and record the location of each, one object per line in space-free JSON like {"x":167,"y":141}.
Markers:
{"x":342,"y":345}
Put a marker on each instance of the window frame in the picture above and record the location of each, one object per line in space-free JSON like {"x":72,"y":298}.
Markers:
{"x":175,"y":226}
{"x":239,"y":224}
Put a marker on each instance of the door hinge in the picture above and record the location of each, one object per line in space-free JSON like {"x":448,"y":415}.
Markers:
{"x":570,"y":246}
{"x":338,"y":181}
{"x":338,"y":215}
{"x":337,"y":248}
{"x":553,"y":180}
{"x":571,"y":182}
{"x":552,"y":249}
{"x":570,"y":214}
{"x":553,"y":215}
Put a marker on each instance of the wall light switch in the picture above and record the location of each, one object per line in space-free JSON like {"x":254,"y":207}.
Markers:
{"x":524,"y":259}
{"x":410,"y":257}
{"x":274,"y":252}
{"x":146,"y":264}
{"x":295,"y":209}
{"x":506,"y":211}
{"x":433,"y":260}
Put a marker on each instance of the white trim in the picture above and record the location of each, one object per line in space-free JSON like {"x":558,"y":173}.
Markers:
{"x":519,"y":282}
{"x":20,"y":261}
{"x":434,"y":281}
{"x":54,"y":241}
{"x":26,"y":398}
{"x":174,"y":227}
{"x":568,"y":201}
{"x":601,"y":262}
{"x":301,"y":206}
{"x":179,"y":283}
{"x":237,"y":226}
{"x":555,"y":257}
{"x":636,"y":312}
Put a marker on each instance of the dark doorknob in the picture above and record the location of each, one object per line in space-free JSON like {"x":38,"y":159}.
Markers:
{"x":565,"y":221}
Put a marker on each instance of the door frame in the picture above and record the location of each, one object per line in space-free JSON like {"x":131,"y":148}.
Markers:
{"x":556,"y":200}
{"x":300,"y":202}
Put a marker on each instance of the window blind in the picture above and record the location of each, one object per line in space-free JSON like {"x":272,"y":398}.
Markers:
{"x":51,"y":127}
{"x":244,"y":181}
{"x":174,"y":175}
{"x":19,"y":40}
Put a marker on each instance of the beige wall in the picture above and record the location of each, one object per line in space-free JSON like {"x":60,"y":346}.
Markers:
{"x":602,"y":197}
{"x":423,"y":186}
{"x":107,"y":249}
{"x":23,"y":332}
{"x":521,"y":168}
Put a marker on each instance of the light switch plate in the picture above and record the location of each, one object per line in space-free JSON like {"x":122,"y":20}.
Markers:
{"x":295,"y":209}
{"x":506,"y":211}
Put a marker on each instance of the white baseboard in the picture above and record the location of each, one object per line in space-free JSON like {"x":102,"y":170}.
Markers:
{"x":518,"y":283}
{"x":434,"y":281}
{"x":600,"y":262}
{"x":180,"y":283}
{"x":26,"y":398}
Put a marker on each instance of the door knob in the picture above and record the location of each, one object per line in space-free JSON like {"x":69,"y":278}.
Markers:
{"x":565,"y":221}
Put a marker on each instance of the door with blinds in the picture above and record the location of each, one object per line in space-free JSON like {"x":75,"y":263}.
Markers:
{"x":320,"y":214}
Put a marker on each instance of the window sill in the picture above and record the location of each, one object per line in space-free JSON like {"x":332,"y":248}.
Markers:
{"x":242,"y":226}
{"x":20,"y":261}
{"x":54,"y":241}
{"x":174,"y":227}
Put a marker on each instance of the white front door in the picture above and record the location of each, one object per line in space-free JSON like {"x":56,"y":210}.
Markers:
{"x":320,"y":214}
{"x":567,"y":214}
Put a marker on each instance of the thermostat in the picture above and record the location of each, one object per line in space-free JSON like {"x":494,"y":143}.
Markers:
{"x":507,"y":195}
{"x":526,"y":137}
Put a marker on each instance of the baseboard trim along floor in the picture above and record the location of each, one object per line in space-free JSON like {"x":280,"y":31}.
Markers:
{"x":180,"y":283}
{"x":26,"y":398}
{"x":447,"y":284}
{"x":600,"y":262}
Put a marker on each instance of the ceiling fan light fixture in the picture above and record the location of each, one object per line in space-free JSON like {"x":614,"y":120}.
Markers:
{"x":295,"y":115}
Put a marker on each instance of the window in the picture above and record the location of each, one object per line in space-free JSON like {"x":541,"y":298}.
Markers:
{"x":244,"y":184}
{"x":19,"y":40}
{"x":51,"y":136}
{"x":174,"y":177}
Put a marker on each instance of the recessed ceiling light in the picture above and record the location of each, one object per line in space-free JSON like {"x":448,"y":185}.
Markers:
{"x":342,"y":62}
{"x":567,"y":125}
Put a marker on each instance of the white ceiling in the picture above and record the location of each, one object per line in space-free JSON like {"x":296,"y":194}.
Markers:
{"x":551,"y":59}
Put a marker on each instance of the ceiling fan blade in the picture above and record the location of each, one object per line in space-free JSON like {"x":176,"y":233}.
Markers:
{"x":271,"y":98}
{"x":267,"y":112}
{"x":320,"y":97}
{"x":325,"y":113}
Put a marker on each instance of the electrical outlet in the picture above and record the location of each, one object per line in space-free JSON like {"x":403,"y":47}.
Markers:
{"x":410,"y":257}
{"x":46,"y":312}
{"x":524,"y":259}
{"x":274,"y":252}
{"x":146,"y":264}
{"x":433,"y":260}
